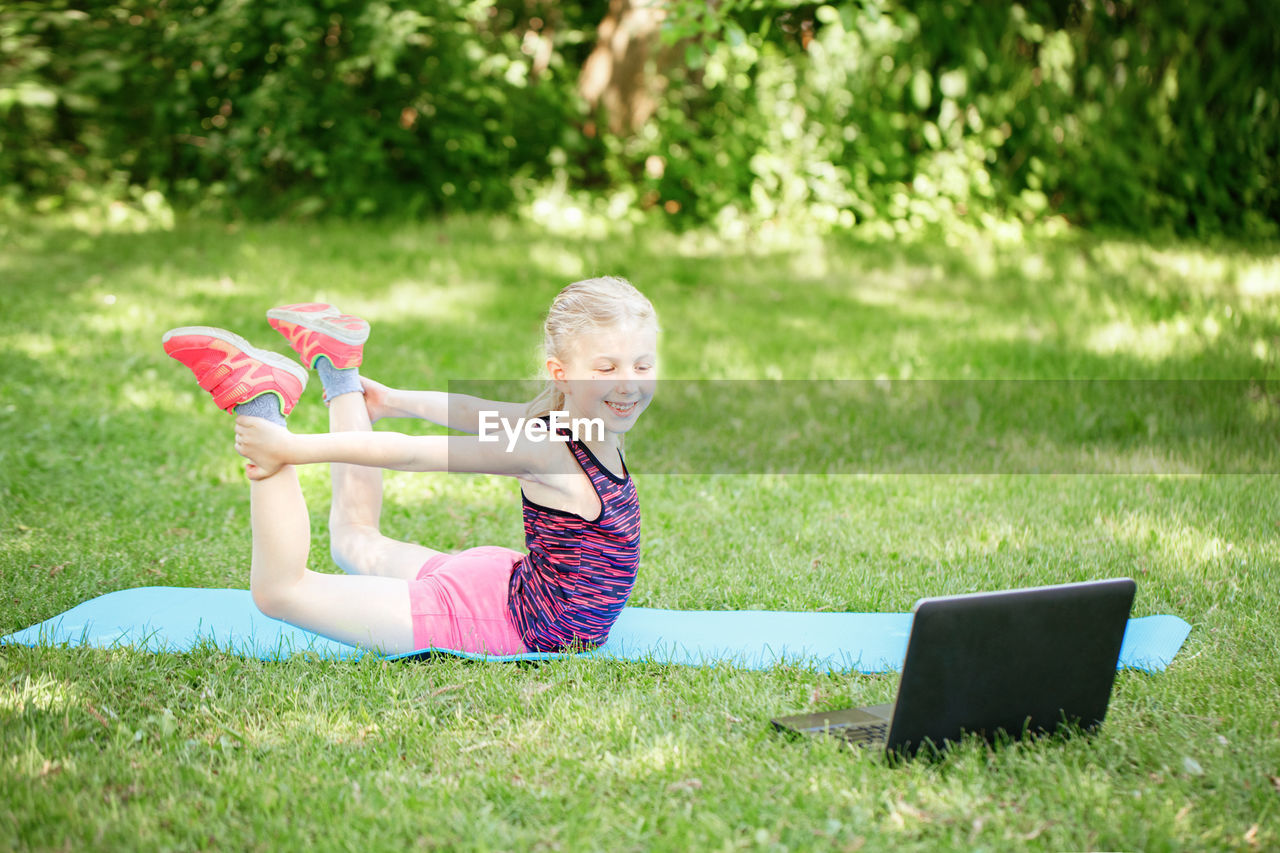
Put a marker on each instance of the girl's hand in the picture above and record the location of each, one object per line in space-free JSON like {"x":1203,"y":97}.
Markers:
{"x":377,"y":400}
{"x":263,"y":443}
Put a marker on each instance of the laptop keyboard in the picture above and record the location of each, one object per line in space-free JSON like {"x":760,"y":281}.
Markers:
{"x":863,"y":734}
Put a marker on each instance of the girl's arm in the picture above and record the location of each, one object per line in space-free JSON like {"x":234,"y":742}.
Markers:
{"x":270,"y":447}
{"x":456,"y":411}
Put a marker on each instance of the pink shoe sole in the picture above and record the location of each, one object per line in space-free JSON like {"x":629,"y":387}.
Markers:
{"x":233,"y":370}
{"x":314,"y":329}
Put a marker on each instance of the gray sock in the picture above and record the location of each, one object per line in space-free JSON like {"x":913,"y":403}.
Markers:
{"x":335,"y":381}
{"x":262,"y":406}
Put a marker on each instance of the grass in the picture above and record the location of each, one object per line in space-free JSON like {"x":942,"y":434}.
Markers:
{"x":116,"y":472}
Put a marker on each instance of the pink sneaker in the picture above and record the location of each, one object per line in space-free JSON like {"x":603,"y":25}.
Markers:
{"x":314,"y":329}
{"x":232,"y":370}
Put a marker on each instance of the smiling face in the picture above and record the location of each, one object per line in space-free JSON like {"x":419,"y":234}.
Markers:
{"x":610,"y":373}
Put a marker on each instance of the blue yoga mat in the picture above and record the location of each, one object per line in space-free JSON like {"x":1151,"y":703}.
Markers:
{"x":177,"y":619}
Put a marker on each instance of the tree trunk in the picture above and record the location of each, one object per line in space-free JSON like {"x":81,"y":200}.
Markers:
{"x":624,"y":73}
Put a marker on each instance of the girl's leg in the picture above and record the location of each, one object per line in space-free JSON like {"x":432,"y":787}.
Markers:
{"x":370,"y":612}
{"x":357,"y":544}
{"x":333,"y":343}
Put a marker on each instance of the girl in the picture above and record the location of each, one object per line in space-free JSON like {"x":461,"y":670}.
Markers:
{"x":581,"y":514}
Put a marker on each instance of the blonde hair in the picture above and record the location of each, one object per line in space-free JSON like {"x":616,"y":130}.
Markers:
{"x":585,"y":306}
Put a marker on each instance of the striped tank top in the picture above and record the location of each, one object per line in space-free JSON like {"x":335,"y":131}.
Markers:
{"x":578,"y":574}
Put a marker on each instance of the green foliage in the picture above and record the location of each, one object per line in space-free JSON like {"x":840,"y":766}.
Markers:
{"x":881,"y":114}
{"x":1138,"y":115}
{"x":344,"y":106}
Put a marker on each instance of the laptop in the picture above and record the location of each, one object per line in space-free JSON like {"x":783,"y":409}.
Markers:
{"x":993,"y":664}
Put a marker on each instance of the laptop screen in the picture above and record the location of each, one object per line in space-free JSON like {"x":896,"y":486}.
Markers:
{"x":1012,"y":661}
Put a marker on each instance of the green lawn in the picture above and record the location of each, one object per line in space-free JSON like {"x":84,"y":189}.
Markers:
{"x":116,"y":472}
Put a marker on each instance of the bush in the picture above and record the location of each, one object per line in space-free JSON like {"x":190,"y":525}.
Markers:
{"x":335,"y":105}
{"x":1138,"y":115}
{"x":1127,"y":113}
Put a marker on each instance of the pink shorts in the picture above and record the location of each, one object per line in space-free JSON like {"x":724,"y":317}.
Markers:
{"x":459,"y":602}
